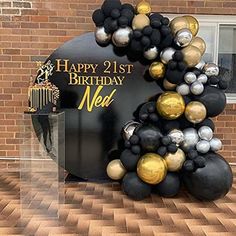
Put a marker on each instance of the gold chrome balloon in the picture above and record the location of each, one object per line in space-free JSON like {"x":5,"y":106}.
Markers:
{"x":192,"y":55}
{"x":140,"y":21}
{"x":143,"y":7}
{"x":168,"y":86}
{"x":195,"y":112}
{"x":178,"y":23}
{"x":170,"y":105}
{"x":200,"y":44}
{"x":193,"y":24}
{"x":116,"y":170}
{"x":157,"y":70}
{"x":175,"y":161}
{"x":151,"y":168}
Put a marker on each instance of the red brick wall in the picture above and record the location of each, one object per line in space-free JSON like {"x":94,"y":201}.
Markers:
{"x":31,"y":30}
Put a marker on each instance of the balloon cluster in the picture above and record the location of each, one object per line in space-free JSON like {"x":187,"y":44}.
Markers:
{"x":171,"y":138}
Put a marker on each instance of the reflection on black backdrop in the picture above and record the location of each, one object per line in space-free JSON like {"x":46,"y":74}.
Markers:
{"x":43,"y":130}
{"x":109,"y":121}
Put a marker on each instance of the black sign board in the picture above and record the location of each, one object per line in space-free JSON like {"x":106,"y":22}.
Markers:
{"x":99,"y":91}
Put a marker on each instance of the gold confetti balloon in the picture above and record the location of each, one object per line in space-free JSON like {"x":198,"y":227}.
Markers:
{"x":151,"y":168}
{"x":168,"y":85}
{"x":178,"y":23}
{"x":144,"y":7}
{"x":116,"y":170}
{"x":175,"y":161}
{"x":200,"y":44}
{"x":157,"y":70}
{"x":192,"y":55}
{"x":140,"y":21}
{"x":170,"y":105}
{"x":195,"y":112}
{"x":193,"y":24}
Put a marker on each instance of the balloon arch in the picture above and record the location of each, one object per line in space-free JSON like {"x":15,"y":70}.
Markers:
{"x":171,"y":139}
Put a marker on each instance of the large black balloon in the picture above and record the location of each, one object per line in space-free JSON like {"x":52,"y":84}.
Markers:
{"x":149,"y":137}
{"x":169,"y":187}
{"x":129,"y":160}
{"x":212,"y":181}
{"x":214,"y":100}
{"x":134,"y":187}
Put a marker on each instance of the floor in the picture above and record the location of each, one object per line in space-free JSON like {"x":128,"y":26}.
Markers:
{"x":37,"y":205}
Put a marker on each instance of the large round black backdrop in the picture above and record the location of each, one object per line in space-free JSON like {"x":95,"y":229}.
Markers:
{"x":91,"y":135}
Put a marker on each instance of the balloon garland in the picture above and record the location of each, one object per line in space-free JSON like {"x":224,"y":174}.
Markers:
{"x":171,"y":138}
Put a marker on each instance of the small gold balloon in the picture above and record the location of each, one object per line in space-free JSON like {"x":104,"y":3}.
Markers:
{"x":193,"y":24}
{"x":116,"y":170}
{"x":170,"y":105}
{"x":140,"y":21}
{"x":178,"y":23}
{"x":175,"y":161}
{"x":169,"y":86}
{"x":151,"y":168}
{"x":200,"y":44}
{"x":144,"y":7}
{"x":157,"y":70}
{"x":192,"y":55}
{"x":195,"y":112}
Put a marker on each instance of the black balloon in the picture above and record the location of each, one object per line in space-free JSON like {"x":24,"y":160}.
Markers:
{"x":134,"y":187}
{"x":129,"y":160}
{"x":169,"y":187}
{"x":162,"y":151}
{"x":128,"y":6}
{"x":212,"y":181}
{"x":168,"y":125}
{"x":175,"y":72}
{"x":213,"y":99}
{"x":109,"y":5}
{"x":156,"y":37}
{"x":149,"y":137}
{"x":98,"y":17}
{"x":207,"y":122}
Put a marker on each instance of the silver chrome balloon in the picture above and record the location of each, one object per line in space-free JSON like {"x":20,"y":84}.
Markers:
{"x":183,"y":37}
{"x":190,"y":139}
{"x":215,"y":144}
{"x":183,"y":89}
{"x":200,"y":65}
{"x":121,"y":37}
{"x":151,"y":53}
{"x":205,"y":133}
{"x":197,"y":88}
{"x":128,"y":129}
{"x":167,"y":54}
{"x":211,"y":69}
{"x":101,"y":36}
{"x":203,"y":146}
{"x":202,"y":78}
{"x":190,"y":77}
{"x":176,"y":136}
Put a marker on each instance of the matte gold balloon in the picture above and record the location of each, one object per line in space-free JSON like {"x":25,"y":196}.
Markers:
{"x":193,"y":24}
{"x":192,"y":55}
{"x":170,"y":105}
{"x":157,"y":70}
{"x":200,"y":44}
{"x":175,"y":161}
{"x":178,"y":23}
{"x":169,"y":86}
{"x":195,"y":112}
{"x":140,"y":21}
{"x":144,"y":7}
{"x":116,"y":170}
{"x":152,"y":168}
